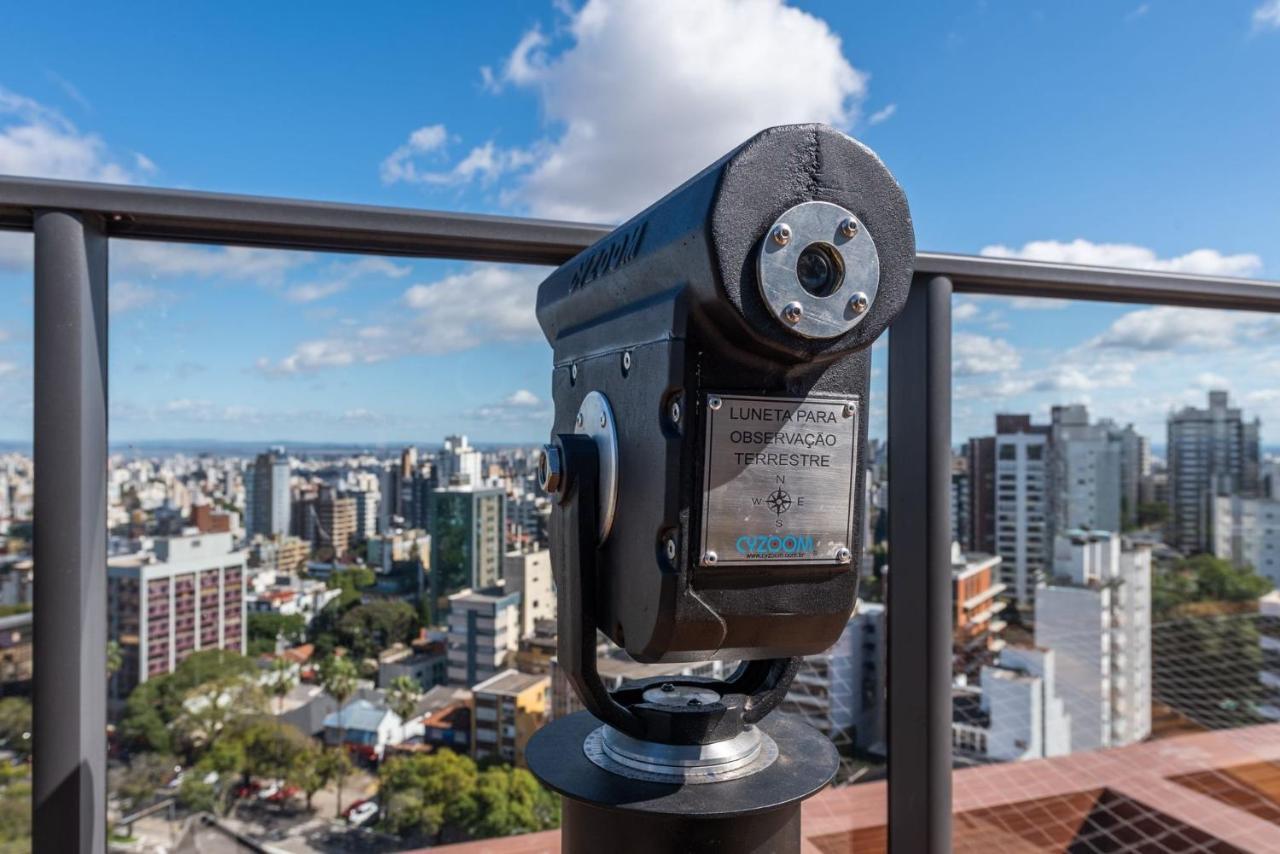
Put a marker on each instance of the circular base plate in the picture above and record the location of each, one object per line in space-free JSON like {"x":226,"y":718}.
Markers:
{"x":750,"y":753}
{"x":806,"y":762}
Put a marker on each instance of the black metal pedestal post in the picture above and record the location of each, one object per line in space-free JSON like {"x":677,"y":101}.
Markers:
{"x":604,"y":811}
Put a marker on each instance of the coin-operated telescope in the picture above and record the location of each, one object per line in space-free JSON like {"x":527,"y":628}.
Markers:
{"x":711,"y":368}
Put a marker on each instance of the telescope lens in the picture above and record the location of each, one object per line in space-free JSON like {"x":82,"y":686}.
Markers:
{"x":820,"y":270}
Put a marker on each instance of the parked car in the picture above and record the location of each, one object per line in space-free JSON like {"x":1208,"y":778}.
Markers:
{"x":362,"y":813}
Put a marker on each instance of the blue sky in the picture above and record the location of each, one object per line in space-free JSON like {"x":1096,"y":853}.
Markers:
{"x":1141,"y":134}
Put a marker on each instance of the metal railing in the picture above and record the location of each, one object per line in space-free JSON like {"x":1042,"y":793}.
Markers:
{"x":73,"y":223}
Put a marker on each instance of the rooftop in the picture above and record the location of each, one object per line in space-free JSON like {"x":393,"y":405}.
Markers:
{"x":508,"y":683}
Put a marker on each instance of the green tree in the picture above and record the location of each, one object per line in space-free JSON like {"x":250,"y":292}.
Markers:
{"x":281,"y":677}
{"x":136,"y":785}
{"x":115,"y":659}
{"x":402,"y":696}
{"x":372,"y":627}
{"x":269,"y":751}
{"x":156,"y":704}
{"x":315,"y":768}
{"x":197,"y":795}
{"x":1204,"y":578}
{"x":1206,"y":669}
{"x":15,"y":725}
{"x":266,"y":629}
{"x":443,"y":797}
{"x":338,"y":679}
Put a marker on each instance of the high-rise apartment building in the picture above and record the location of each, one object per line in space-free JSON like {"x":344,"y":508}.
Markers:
{"x":484,"y":629}
{"x":1135,"y":469}
{"x":961,"y":510}
{"x":188,"y":597}
{"x":529,"y":574}
{"x":1085,"y":477}
{"x":333,"y":522}
{"x":1014,"y":713}
{"x":458,"y":463}
{"x":467,"y":539}
{"x":1022,"y":511}
{"x":1096,"y":617}
{"x":980,"y":456}
{"x":268,"y":496}
{"x":1246,"y":531}
{"x":507,"y":710}
{"x":366,"y":513}
{"x":1212,"y":452}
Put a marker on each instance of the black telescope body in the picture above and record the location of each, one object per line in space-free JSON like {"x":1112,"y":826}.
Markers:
{"x":722,"y":336}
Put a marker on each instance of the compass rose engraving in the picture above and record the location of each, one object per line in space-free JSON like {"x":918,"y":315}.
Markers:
{"x":779,"y":501}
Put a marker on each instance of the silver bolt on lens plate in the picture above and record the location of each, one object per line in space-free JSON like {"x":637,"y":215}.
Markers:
{"x":849,"y":409}
{"x":844,"y":555}
{"x":710,"y":558}
{"x":848,"y":226}
{"x":714,"y":402}
{"x":781,"y":234}
{"x":858,"y":303}
{"x":745,"y":754}
{"x":573,"y":373}
{"x":792,"y":313}
{"x":675,"y":411}
{"x":626,"y":361}
{"x":671,"y":548}
{"x":578,"y":421}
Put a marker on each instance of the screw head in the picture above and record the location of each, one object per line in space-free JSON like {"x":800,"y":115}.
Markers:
{"x":694,"y":701}
{"x":848,"y":226}
{"x":604,"y":422}
{"x":710,"y":558}
{"x":550,"y":469}
{"x":668,"y":687}
{"x":792,"y":312}
{"x":714,"y":402}
{"x":781,"y":234}
{"x":626,"y":361}
{"x":675,"y":411}
{"x":844,"y":555}
{"x":573,"y":373}
{"x":579,"y":421}
{"x":858,"y":303}
{"x":671,"y":548}
{"x":849,"y":409}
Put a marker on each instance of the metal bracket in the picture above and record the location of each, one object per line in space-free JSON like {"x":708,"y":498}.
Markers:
{"x":595,"y":419}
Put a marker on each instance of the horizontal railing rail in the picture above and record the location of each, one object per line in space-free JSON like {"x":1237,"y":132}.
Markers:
{"x":149,"y":213}
{"x":73,"y":223}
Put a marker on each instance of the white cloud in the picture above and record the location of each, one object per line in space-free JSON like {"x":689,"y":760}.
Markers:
{"x":313,"y":291}
{"x":40,"y":142}
{"x":399,"y":165}
{"x":1170,"y":328}
{"x":125,"y":296}
{"x":1267,"y":16}
{"x":1208,"y":262}
{"x":965,"y":311}
{"x":882,"y":115}
{"x":15,"y":251}
{"x":972,"y":355}
{"x":166,"y":260}
{"x":1038,"y":303}
{"x":521,"y":405}
{"x":486,"y":304}
{"x":641,"y":94}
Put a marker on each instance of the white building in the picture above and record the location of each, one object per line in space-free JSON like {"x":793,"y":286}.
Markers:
{"x":368,"y":726}
{"x":1096,"y":617}
{"x":459,"y":463}
{"x":287,"y":594}
{"x":1246,"y":531}
{"x":1022,"y":504}
{"x":1086,"y":472}
{"x":1015,"y":714}
{"x":841,"y":692}
{"x":529,"y":574}
{"x":484,"y":628}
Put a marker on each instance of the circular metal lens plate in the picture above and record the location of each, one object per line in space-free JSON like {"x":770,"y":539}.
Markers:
{"x":747,"y":753}
{"x":595,"y":419}
{"x":827,"y":316}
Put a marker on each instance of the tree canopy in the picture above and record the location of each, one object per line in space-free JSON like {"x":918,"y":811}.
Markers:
{"x":443,"y":797}
{"x":157,"y":704}
{"x":1203,"y":578}
{"x":369,"y":628}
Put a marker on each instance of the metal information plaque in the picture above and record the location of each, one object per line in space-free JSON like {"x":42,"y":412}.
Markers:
{"x":780,"y":474}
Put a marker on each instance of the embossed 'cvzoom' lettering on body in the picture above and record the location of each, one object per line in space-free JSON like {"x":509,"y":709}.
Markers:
{"x":608,"y":258}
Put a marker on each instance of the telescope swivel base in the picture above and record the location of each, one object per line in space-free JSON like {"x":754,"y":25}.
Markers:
{"x":606,"y":811}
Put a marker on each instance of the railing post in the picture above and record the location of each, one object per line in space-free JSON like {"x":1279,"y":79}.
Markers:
{"x":919,"y":589}
{"x":70,"y":531}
